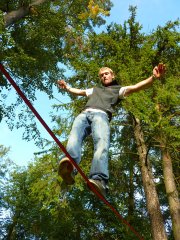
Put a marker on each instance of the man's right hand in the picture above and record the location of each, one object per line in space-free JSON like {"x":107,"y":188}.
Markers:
{"x":62,"y":84}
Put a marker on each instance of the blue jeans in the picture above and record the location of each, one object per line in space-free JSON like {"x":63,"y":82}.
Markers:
{"x":97,"y":124}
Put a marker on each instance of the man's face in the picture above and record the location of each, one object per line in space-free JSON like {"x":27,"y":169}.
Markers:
{"x":106,"y":77}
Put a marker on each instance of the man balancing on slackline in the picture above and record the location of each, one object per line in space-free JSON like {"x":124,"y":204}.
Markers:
{"x":94,"y":119}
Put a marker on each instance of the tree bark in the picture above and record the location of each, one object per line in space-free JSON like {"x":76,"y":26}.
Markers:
{"x":171,"y":191}
{"x":11,"y":232}
{"x":131,"y":196}
{"x":153,"y":206}
{"x":16,"y":15}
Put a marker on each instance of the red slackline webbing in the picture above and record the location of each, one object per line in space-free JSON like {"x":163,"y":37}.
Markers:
{"x":3,"y":70}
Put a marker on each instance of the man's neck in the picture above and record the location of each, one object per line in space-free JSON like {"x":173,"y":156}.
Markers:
{"x":114,"y":82}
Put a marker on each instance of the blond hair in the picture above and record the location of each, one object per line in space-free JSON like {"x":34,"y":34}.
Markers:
{"x":105,"y":68}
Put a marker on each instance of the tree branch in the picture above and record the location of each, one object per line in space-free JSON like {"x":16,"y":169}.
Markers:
{"x":16,"y":15}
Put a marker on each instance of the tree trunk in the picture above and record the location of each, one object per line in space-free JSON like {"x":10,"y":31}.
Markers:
{"x":171,"y":191}
{"x":16,"y":15}
{"x":11,"y":232}
{"x":131,"y":195}
{"x":153,"y":206}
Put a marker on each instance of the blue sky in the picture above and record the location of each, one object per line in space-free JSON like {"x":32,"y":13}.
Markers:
{"x":150,"y":14}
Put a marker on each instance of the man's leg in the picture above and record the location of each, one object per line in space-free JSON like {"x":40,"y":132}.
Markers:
{"x":99,"y":173}
{"x":80,"y":130}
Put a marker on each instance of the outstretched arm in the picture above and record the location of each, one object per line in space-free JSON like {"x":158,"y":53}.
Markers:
{"x":79,"y":92}
{"x":158,"y":71}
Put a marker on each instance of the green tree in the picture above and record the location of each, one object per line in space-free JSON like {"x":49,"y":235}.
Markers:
{"x":132,"y":55}
{"x":167,"y":106}
{"x":42,"y":209}
{"x":6,"y":165}
{"x":35,"y":37}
